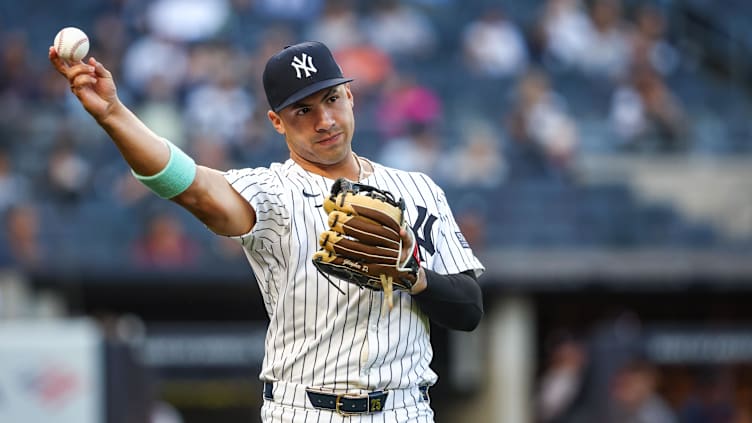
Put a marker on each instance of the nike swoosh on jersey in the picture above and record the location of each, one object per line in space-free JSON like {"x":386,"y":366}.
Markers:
{"x":309,"y":195}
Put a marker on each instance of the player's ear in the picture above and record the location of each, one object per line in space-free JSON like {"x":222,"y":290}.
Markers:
{"x":276,"y":121}
{"x":349,"y":95}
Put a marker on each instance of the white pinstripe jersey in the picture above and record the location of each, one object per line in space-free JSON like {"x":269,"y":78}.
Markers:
{"x":317,"y":336}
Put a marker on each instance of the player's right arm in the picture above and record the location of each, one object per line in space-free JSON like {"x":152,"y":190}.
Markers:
{"x":210,"y":197}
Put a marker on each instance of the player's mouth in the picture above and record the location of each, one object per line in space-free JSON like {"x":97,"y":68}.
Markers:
{"x":330,"y":140}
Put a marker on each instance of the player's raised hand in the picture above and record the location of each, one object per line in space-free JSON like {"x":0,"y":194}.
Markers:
{"x":91,"y":82}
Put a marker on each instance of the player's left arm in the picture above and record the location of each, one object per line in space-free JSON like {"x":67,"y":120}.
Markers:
{"x":453,"y":300}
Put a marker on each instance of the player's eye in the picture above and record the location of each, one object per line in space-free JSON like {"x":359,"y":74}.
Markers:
{"x":303,"y":110}
{"x":333,"y":98}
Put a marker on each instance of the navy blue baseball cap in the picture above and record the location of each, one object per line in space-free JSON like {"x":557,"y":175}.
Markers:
{"x":298,"y":71}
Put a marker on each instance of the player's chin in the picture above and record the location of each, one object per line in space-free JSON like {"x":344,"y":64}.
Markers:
{"x":331,"y":156}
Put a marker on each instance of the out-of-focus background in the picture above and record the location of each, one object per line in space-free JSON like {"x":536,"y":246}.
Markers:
{"x":597,"y":154}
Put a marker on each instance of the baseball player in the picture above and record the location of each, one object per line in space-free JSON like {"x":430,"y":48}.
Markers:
{"x":333,"y":351}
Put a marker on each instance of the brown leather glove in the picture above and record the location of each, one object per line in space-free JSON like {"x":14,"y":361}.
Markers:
{"x":363,"y":243}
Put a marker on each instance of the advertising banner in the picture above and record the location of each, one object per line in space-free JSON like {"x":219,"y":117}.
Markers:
{"x":50,"y":371}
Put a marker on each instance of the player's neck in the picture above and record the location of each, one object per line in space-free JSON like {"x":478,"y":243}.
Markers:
{"x":352,"y":167}
{"x":365,"y":168}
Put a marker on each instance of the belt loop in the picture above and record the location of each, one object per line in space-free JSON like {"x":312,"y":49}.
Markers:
{"x":268,"y":388}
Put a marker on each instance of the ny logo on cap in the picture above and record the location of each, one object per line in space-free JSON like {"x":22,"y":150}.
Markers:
{"x":305,"y":64}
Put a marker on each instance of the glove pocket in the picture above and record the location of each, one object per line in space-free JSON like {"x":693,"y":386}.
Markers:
{"x":364,"y":230}
{"x":356,"y":250}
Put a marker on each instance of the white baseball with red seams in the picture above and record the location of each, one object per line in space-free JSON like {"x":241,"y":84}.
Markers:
{"x":71,"y":44}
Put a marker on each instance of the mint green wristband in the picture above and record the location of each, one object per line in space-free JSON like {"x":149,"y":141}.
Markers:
{"x":176,"y":176}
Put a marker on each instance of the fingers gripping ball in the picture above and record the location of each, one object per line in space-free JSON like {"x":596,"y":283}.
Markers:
{"x":71,"y":44}
{"x":363,"y":243}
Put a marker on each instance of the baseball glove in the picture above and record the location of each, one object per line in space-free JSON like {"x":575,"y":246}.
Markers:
{"x":363,"y":243}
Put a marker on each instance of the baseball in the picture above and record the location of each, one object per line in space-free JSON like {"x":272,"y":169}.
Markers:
{"x":71,"y":44}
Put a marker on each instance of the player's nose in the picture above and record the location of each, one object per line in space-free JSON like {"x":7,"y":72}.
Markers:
{"x":324,"y":120}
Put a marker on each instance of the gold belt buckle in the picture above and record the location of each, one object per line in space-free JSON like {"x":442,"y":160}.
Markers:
{"x":338,"y":404}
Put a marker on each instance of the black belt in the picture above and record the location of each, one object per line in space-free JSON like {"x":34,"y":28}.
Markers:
{"x":346,"y":404}
{"x":349,"y":404}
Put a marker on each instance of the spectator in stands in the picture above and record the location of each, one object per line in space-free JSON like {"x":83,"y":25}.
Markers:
{"x":634,"y":396}
{"x":563,"y":32}
{"x":711,"y":399}
{"x":419,"y":148}
{"x":109,"y":39}
{"x":15,"y":66}
{"x":165,"y":245}
{"x":562,"y":380}
{"x":610,"y":345}
{"x":338,"y":27}
{"x":477,"y":161}
{"x":607,"y":50}
{"x":152,"y":56}
{"x":22,"y":247}
{"x":369,"y":65}
{"x":68,"y":175}
{"x":400,"y":30}
{"x":494,"y":46}
{"x":404,"y":104}
{"x":221,"y":106}
{"x":160,"y":110}
{"x":650,"y":46}
{"x":14,"y":186}
{"x":544,"y":136}
{"x":645,"y":114}
{"x":187,"y":20}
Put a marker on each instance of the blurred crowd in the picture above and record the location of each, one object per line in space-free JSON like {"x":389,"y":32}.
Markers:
{"x":605,"y":374}
{"x":480,"y":96}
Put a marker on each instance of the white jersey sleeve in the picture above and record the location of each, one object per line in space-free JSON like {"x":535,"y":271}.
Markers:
{"x":453,"y":253}
{"x":263,"y":190}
